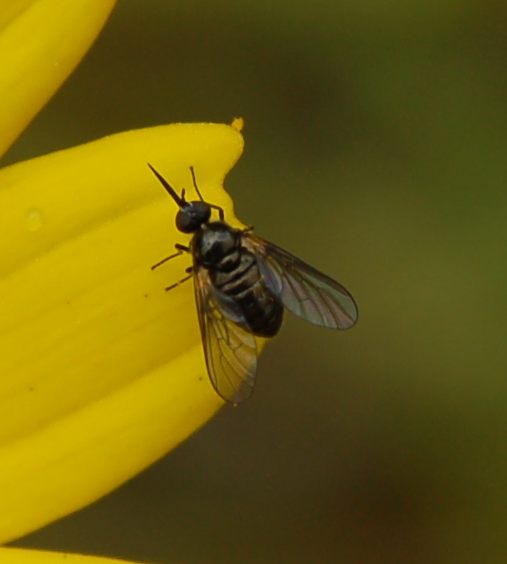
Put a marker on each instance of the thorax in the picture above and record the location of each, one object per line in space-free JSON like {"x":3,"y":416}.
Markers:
{"x":215,"y":242}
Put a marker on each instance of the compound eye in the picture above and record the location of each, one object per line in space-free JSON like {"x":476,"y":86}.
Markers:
{"x":192,"y":216}
{"x":185,"y":222}
{"x":202,"y":211}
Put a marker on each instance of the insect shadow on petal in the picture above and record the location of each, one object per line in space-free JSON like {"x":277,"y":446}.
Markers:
{"x":242,"y":284}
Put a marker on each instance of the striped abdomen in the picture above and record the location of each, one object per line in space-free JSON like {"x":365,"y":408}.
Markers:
{"x":237,"y":275}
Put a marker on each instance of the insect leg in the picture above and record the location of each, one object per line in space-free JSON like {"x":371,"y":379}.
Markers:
{"x":195,"y":184}
{"x":218,"y":208}
{"x":180,"y":248}
{"x":220,"y":211}
{"x":172,"y":286}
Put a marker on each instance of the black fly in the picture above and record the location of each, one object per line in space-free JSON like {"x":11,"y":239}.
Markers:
{"x":242,"y":284}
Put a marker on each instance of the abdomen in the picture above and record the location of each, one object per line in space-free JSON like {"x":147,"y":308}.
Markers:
{"x":244,"y":285}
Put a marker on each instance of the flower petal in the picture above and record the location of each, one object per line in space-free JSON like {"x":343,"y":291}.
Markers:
{"x":20,"y":556}
{"x":41,"y":42}
{"x":101,"y":371}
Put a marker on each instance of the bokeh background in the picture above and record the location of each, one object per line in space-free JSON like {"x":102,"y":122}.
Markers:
{"x":376,"y":148}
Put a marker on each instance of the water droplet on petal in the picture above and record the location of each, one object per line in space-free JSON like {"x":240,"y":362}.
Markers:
{"x":34,"y":219}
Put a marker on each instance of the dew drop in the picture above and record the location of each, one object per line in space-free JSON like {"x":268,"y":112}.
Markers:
{"x":34,"y":219}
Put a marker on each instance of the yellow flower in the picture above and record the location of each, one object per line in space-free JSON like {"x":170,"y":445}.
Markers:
{"x":20,"y":556}
{"x":101,"y":371}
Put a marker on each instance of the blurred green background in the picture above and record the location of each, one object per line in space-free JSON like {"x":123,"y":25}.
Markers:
{"x":376,"y":149}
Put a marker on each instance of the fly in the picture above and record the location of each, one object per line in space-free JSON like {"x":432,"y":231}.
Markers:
{"x":242,"y":285}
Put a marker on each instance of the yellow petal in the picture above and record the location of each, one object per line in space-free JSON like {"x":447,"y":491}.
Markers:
{"x":20,"y":556}
{"x":101,"y":371}
{"x":41,"y":42}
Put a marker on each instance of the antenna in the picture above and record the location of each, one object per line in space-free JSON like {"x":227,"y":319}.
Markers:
{"x":170,"y":190}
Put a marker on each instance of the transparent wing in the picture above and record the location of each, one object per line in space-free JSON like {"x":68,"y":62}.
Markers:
{"x":229,"y":347}
{"x":305,"y":291}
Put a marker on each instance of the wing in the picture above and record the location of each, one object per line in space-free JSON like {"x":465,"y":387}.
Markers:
{"x":305,"y":291}
{"x":230,"y":349}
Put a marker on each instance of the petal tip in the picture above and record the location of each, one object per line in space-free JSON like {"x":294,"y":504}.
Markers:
{"x":238,"y":123}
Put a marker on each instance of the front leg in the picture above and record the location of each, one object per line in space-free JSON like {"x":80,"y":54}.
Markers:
{"x":180,"y":250}
{"x":220,"y":210}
